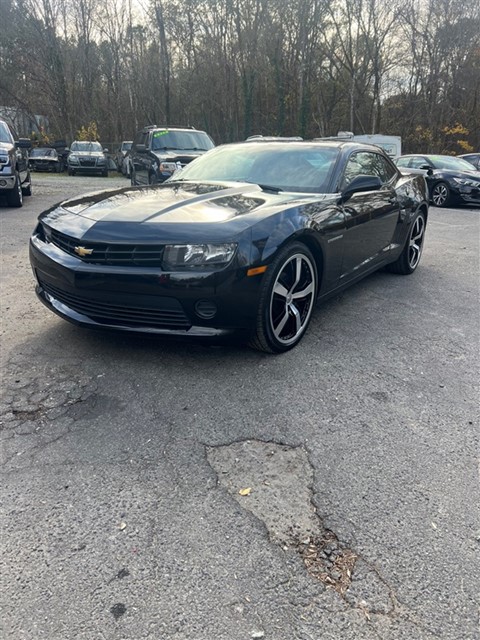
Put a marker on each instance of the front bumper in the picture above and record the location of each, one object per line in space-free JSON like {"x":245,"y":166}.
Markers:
{"x":43,"y":165}
{"x":471,"y":196}
{"x":141,"y":299}
{"x":6,"y":182}
{"x":82,"y":169}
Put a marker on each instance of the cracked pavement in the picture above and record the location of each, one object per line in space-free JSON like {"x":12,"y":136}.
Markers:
{"x":121,"y":517}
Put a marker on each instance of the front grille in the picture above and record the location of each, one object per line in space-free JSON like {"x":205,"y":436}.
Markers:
{"x":168,"y":314}
{"x":87,"y":162}
{"x":112,"y":254}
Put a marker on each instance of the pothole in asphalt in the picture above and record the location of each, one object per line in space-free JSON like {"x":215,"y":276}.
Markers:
{"x":275,"y":483}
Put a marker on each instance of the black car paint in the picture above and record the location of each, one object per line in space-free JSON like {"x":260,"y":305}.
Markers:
{"x":348,"y":240}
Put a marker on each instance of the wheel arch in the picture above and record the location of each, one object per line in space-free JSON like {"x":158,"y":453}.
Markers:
{"x":309,"y":240}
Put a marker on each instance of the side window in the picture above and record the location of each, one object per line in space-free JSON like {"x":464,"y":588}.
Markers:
{"x":367,"y":163}
{"x":139,"y":138}
{"x":403,"y":161}
{"x":385,"y":169}
{"x":353,"y":168}
{"x":416,"y":163}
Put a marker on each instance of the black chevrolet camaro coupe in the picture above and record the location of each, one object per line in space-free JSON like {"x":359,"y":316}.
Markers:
{"x":244,"y":239}
{"x":450,"y":180}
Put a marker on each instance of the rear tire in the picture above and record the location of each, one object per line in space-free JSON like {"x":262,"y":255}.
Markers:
{"x":409,"y":259}
{"x":15,"y":197}
{"x":287,"y":299}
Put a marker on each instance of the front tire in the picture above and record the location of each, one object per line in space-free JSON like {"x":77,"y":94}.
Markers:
{"x":287,"y":299}
{"x":441,"y":195}
{"x":408,"y":260}
{"x":15,"y":197}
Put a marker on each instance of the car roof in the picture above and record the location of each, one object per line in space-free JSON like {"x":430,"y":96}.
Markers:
{"x":168,"y":128}
{"x":339,"y":144}
{"x":261,"y":138}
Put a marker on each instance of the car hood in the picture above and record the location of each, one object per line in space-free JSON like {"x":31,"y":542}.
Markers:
{"x":6,"y":146}
{"x":178,"y":209}
{"x":90,"y":154}
{"x":464,"y":175}
{"x":49,"y":158}
{"x":174,"y":155}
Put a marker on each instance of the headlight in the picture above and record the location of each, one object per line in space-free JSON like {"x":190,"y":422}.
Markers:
{"x":467,"y":183}
{"x":101,"y":161}
{"x":73,"y":159}
{"x":167,"y":167}
{"x":197,"y":255}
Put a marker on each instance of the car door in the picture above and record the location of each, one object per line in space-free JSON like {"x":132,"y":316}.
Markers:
{"x":370,"y":217}
{"x":21,"y":153}
{"x":140,"y":158}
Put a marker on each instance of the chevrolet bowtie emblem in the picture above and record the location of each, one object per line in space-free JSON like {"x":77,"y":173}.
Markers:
{"x":82,"y":251}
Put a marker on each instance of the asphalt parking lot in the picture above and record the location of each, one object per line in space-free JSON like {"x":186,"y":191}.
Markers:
{"x":157,"y":489}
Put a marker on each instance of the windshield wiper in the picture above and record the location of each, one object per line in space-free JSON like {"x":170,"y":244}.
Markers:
{"x":266,"y":187}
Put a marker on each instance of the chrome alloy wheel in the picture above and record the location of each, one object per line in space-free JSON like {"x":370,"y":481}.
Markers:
{"x":440,"y":194}
{"x":292,"y":299}
{"x":415,"y":242}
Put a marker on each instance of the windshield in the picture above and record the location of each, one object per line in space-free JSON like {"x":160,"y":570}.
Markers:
{"x":289,"y":167}
{"x":450,"y":162}
{"x":5,"y":133}
{"x":181,"y":140}
{"x":86,"y":146}
{"x":36,"y":153}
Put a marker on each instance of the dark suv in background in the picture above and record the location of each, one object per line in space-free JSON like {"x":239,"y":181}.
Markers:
{"x":158,"y":151}
{"x":14,"y":172}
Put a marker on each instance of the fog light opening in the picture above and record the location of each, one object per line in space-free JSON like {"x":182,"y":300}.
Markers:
{"x":205,"y":309}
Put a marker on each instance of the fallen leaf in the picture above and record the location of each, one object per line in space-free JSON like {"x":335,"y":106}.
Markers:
{"x":245,"y":492}
{"x":122,"y":526}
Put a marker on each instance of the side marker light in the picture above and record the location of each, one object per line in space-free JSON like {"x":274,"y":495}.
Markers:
{"x":256,"y":271}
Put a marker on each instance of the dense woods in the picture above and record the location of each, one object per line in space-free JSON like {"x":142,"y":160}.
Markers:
{"x":239,"y":67}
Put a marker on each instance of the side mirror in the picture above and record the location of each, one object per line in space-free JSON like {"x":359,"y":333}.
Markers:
{"x":141,"y":148}
{"x":359,"y":184}
{"x":23,"y":143}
